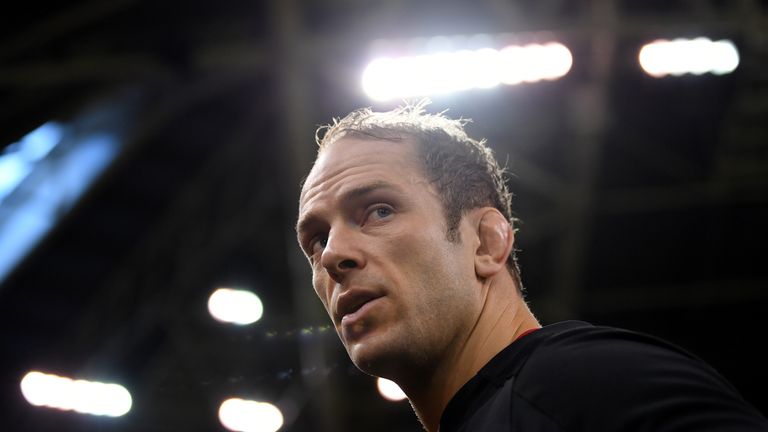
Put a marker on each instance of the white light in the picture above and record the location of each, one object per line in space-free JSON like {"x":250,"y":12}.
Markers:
{"x":695,"y":56}
{"x":445,"y":72}
{"x":250,"y":416}
{"x":484,"y":72}
{"x":389,"y":390}
{"x":87,"y":397}
{"x":235,"y":306}
{"x":555,"y":59}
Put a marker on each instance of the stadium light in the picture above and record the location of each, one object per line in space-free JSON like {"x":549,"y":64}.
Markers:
{"x":389,"y":390}
{"x":235,"y":306}
{"x":695,"y":56}
{"x":244,"y":415}
{"x":46,"y":171}
{"x":446,"y":72}
{"x":67,"y":394}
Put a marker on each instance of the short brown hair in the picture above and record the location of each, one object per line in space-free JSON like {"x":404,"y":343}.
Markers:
{"x":462,"y":169}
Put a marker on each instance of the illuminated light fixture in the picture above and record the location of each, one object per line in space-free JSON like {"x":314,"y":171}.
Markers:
{"x":389,"y":390}
{"x":694,"y":56}
{"x":446,"y":72}
{"x":235,"y":306}
{"x":87,"y":397}
{"x":244,"y":415}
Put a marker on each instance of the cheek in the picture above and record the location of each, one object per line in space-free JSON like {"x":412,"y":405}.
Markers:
{"x":422,"y":257}
{"x":318,"y":283}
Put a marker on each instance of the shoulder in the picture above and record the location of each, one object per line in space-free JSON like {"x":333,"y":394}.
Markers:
{"x":596,"y":352}
{"x":604,"y":378}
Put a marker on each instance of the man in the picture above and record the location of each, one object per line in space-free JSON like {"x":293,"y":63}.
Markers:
{"x":407,"y":225}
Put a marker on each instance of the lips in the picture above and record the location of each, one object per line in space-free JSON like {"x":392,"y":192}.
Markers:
{"x":351,"y":301}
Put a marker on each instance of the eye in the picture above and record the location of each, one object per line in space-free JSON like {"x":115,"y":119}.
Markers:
{"x":381,"y":212}
{"x":318,"y":244}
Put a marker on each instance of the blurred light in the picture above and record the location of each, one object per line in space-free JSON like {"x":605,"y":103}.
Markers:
{"x":87,"y":397}
{"x":695,"y":56}
{"x":235,"y":306}
{"x":38,"y":143}
{"x":445,"y":72}
{"x":19,"y":158}
{"x":41,"y":177}
{"x":389,"y":390}
{"x":13,"y":169}
{"x":250,"y":416}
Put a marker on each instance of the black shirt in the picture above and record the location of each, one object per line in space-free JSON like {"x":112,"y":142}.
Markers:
{"x":573,"y":376}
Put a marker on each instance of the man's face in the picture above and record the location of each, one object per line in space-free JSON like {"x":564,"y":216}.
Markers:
{"x":398,"y":292}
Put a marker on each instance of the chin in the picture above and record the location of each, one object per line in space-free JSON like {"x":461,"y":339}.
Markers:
{"x":365,"y":359}
{"x":376,"y":357}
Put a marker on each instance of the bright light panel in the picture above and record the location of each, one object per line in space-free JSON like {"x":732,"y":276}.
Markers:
{"x":695,"y":56}
{"x":250,"y":416}
{"x":87,"y":397}
{"x":446,"y":72}
{"x":389,"y":390}
{"x":235,"y":306}
{"x":47,"y":171}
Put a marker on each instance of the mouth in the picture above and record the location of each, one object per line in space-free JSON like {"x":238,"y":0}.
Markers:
{"x":350,"y":304}
{"x":358,"y":322}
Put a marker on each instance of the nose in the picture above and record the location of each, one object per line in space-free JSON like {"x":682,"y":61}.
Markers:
{"x":341,"y":254}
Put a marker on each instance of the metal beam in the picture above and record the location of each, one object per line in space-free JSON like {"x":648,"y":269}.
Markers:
{"x":588,"y":111}
{"x":297,"y":131}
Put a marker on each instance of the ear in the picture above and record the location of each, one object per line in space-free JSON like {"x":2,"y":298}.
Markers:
{"x":496,"y":241}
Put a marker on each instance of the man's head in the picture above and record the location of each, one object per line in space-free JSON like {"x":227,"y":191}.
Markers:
{"x":401,"y":253}
{"x":462,"y":170}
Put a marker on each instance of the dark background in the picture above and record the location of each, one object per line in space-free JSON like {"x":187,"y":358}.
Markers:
{"x":643,"y":201}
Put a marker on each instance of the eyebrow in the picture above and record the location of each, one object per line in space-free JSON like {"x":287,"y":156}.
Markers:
{"x":349,"y":195}
{"x":366,"y":189}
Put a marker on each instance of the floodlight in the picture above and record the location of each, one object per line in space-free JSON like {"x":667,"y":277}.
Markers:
{"x":67,"y":394}
{"x":244,"y":415}
{"x":688,"y":56}
{"x":446,"y":72}
{"x":235,"y":306}
{"x":390,"y":390}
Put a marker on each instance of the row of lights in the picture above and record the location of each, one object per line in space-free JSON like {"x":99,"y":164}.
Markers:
{"x":228,"y":305}
{"x":450,"y":71}
{"x":114,"y":400}
{"x":67,"y":394}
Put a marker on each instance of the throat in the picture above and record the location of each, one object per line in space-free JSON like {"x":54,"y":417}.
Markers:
{"x":502,"y":318}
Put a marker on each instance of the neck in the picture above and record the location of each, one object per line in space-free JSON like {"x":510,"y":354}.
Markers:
{"x":504,"y":316}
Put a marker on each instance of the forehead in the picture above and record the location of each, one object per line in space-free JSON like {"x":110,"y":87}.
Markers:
{"x":352,"y":160}
{"x":351,"y":163}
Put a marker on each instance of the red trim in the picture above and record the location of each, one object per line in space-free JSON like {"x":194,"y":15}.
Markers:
{"x":527,"y":332}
